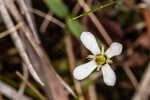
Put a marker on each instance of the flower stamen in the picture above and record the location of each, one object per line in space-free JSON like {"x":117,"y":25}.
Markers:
{"x":102,"y":49}
{"x":99,"y":67}
{"x":90,"y":57}
{"x":109,"y":61}
{"x":100,"y":59}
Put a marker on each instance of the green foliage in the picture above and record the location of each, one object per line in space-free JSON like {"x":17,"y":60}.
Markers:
{"x":9,"y":81}
{"x":99,"y":43}
{"x":30,"y":92}
{"x":75,"y":27}
{"x":58,"y":7}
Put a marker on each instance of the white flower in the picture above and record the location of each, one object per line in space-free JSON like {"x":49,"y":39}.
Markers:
{"x":100,"y":59}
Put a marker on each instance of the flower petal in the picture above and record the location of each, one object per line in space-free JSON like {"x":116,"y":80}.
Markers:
{"x":89,"y":41}
{"x":108,"y":75}
{"x":84,"y":70}
{"x":114,"y":50}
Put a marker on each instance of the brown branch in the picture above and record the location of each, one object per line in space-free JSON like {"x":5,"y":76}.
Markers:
{"x":143,"y":89}
{"x":11,"y":30}
{"x":25,"y":6}
{"x":130,"y":75}
{"x":92,"y":92}
{"x":23,"y":84}
{"x":30,"y":85}
{"x":1,"y":97}
{"x":53,"y":87}
{"x":71,"y":59}
{"x":76,"y":9}
{"x":48,"y":17}
{"x":45,"y":23}
{"x":146,"y":13}
{"x":69,"y":89}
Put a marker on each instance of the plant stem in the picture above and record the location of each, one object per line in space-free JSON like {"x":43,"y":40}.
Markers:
{"x":96,"y":9}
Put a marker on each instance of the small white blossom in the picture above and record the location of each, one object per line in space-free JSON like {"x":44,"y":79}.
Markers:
{"x":100,"y":59}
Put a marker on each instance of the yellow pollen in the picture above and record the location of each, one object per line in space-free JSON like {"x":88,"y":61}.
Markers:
{"x":100,"y":59}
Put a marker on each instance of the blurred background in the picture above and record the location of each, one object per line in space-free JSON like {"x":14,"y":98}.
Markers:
{"x":57,"y":37}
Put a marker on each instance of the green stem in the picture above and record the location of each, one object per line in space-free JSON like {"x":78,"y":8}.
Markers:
{"x":94,"y":10}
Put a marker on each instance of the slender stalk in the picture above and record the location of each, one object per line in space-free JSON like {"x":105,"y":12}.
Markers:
{"x":71,"y":58}
{"x":30,"y":85}
{"x":23,"y":84}
{"x":11,"y":30}
{"x":96,"y":9}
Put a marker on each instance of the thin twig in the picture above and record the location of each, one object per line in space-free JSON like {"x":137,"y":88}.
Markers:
{"x":30,"y":85}
{"x":1,"y":97}
{"x":69,"y":89}
{"x":23,"y":84}
{"x":76,"y":9}
{"x":130,"y":75}
{"x":45,"y":23}
{"x":146,"y":13}
{"x":6,"y":33}
{"x":143,"y":88}
{"x":48,"y":17}
{"x":71,"y":59}
{"x":92,"y":92}
{"x":25,"y":9}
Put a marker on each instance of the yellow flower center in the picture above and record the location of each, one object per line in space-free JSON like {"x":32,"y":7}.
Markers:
{"x":100,"y":59}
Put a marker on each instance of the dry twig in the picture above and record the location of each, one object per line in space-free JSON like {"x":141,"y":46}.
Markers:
{"x":71,"y":59}
{"x":25,"y":7}
{"x":45,"y":23}
{"x":92,"y":92}
{"x":48,"y":17}
{"x":147,"y":19}
{"x":1,"y":97}
{"x":130,"y":75}
{"x":39,"y":58}
{"x":4,"y":34}
{"x":23,"y":84}
{"x":143,"y":89}
{"x":30,"y":85}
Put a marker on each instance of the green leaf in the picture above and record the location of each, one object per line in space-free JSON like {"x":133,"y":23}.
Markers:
{"x":75,"y":27}
{"x":58,"y":7}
